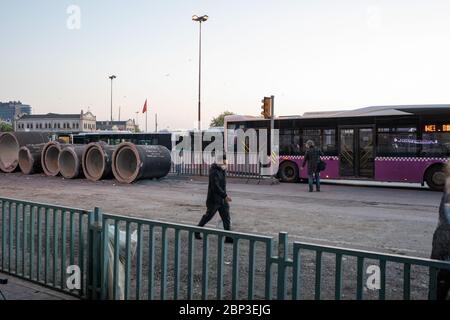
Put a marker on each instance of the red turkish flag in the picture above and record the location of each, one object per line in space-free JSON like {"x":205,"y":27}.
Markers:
{"x":145,"y":107}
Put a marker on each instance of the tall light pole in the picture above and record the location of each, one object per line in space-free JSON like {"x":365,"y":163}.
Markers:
{"x":112,"y":78}
{"x":137,"y":119}
{"x":200,"y":20}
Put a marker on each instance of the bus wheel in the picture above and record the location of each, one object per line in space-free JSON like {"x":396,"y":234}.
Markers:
{"x":288,"y":172}
{"x":435,"y":178}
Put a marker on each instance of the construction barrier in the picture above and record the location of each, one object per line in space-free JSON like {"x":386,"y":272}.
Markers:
{"x":242,"y":165}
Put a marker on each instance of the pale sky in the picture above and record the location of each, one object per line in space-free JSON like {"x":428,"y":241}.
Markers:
{"x":312,"y":55}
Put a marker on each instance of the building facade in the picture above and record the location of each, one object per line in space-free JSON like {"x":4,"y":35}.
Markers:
{"x":53,"y":122}
{"x":128,"y":125}
{"x":13,"y":109}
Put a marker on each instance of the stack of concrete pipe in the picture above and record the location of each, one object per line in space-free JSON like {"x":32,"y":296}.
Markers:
{"x":127,"y":162}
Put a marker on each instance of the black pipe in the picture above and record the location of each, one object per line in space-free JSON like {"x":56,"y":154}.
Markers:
{"x":49,"y":157}
{"x":97,"y":161}
{"x":133,"y":162}
{"x":69,"y":161}
{"x":30,"y":158}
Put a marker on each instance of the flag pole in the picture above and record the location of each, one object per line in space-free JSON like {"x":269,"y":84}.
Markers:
{"x":146,"y":119}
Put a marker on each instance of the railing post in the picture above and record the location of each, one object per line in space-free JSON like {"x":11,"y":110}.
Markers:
{"x":95,"y":254}
{"x":283,"y":246}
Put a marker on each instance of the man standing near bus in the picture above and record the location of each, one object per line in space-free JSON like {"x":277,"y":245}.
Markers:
{"x":312,"y":157}
{"x":218,"y":199}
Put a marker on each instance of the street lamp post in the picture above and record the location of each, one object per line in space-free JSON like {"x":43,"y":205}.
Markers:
{"x":200,"y":20}
{"x":112,"y":78}
{"x":137,"y":120}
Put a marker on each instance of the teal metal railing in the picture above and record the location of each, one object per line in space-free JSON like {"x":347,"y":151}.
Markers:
{"x":426,"y":270}
{"x":170,"y":263}
{"x":162,"y":260}
{"x":39,"y":242}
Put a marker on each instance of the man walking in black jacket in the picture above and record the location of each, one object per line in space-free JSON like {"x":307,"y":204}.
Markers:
{"x":218,"y":199}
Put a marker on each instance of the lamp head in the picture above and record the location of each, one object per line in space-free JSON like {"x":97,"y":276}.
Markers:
{"x":200,"y":19}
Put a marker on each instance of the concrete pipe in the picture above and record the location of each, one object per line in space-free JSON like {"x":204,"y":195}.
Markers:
{"x":97,"y":161}
{"x":69,"y":161}
{"x":10,"y":144}
{"x":133,"y":162}
{"x":49,"y":158}
{"x":30,"y":158}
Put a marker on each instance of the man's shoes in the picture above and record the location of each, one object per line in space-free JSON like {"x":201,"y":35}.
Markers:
{"x":318,"y":190}
{"x":229,"y":240}
{"x":198,"y":236}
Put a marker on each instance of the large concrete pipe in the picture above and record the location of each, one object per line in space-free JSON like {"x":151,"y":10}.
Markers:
{"x":97,"y":161}
{"x":11,"y":142}
{"x":30,"y":158}
{"x":133,"y":162}
{"x":69,"y":161}
{"x":49,"y":158}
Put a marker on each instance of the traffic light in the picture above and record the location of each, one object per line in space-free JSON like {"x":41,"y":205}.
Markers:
{"x":266,"y":108}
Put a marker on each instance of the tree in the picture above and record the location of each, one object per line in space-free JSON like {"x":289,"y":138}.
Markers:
{"x":6,"y":127}
{"x":219,"y":120}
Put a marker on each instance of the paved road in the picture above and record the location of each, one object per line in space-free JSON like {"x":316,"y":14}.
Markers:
{"x":17,"y":289}
{"x":394,"y":220}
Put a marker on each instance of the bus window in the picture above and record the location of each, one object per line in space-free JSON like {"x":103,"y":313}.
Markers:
{"x":397,"y":141}
{"x":289,"y":142}
{"x":311,"y":134}
{"x":436,"y":144}
{"x":329,"y":141}
{"x":325,"y":139}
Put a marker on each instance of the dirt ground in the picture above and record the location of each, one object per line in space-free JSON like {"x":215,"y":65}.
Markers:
{"x":383,"y":219}
{"x":393,"y":220}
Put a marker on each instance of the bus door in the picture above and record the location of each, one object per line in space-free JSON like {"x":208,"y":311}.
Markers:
{"x":356,"y":152}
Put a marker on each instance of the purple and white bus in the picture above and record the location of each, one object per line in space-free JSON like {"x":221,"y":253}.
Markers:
{"x":382,"y":143}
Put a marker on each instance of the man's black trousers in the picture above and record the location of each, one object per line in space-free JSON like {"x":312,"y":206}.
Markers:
{"x":224,"y":211}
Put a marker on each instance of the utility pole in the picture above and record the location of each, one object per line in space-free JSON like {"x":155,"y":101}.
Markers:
{"x":156,"y":122}
{"x":272,"y":114}
{"x":137,"y":119}
{"x":112,"y":78}
{"x":272,"y":132}
{"x":200,"y":19}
